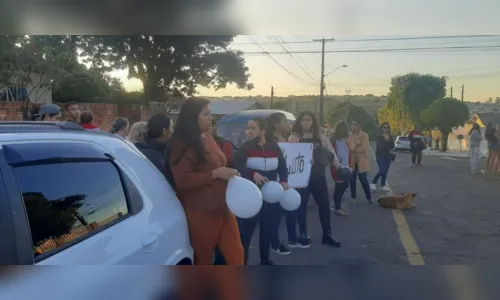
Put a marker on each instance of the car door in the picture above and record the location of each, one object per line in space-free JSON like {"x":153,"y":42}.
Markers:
{"x":70,"y":204}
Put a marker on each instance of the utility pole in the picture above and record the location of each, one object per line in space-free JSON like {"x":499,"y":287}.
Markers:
{"x":322,"y":84}
{"x":297,"y":107}
{"x":462,"y":93}
{"x":451,"y":96}
{"x":272,"y":95}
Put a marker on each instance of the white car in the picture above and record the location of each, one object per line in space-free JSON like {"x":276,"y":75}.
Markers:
{"x":402,"y":144}
{"x":75,"y":197}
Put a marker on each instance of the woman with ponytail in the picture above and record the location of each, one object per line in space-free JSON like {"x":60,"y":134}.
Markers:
{"x":120,"y":128}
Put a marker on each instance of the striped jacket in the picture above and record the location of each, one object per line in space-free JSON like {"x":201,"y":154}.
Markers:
{"x":267,"y":160}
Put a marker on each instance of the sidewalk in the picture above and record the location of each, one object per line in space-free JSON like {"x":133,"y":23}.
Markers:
{"x":448,"y":153}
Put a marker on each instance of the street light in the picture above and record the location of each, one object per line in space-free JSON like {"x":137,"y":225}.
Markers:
{"x":342,"y":66}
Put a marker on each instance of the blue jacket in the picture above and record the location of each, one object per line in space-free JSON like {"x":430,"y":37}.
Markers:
{"x":267,"y":160}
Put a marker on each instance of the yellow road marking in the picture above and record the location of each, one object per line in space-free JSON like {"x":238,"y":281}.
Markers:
{"x":409,"y":243}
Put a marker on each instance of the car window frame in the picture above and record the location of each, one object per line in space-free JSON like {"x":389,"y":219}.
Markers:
{"x":20,"y":221}
{"x":8,"y":246}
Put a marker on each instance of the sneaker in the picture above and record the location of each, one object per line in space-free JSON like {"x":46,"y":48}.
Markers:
{"x":353,"y":200}
{"x":267,"y":262}
{"x":294,"y":245}
{"x":370,"y":201}
{"x":384,"y":189}
{"x":304,"y":242}
{"x":373,"y":187}
{"x":281,"y":250}
{"x":341,"y":212}
{"x":330,"y":241}
{"x":413,"y":165}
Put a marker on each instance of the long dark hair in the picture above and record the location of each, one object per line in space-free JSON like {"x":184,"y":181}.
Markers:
{"x":119,"y":124}
{"x":187,"y":130}
{"x":297,"y":126}
{"x":272,"y":120}
{"x":490,"y":133}
{"x":475,"y":126}
{"x":340,"y":131}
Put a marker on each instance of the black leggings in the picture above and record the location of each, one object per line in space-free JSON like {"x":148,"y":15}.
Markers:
{"x":269,"y":220}
{"x":319,"y":190}
{"x":416,"y":156}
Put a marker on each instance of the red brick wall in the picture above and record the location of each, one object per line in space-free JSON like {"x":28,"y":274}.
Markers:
{"x":11,"y":111}
{"x":104,"y":114}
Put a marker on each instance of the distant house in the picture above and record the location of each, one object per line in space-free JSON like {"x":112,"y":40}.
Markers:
{"x":37,"y":90}
{"x":482,"y":118}
{"x":220,"y":108}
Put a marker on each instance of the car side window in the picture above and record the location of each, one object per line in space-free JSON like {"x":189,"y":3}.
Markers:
{"x":68,"y":202}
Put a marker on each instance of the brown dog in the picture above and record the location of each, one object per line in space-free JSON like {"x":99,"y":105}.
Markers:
{"x":402,"y":201}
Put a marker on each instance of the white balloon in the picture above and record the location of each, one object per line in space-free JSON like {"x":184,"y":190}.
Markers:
{"x":272,"y":192}
{"x":291,"y":200}
{"x":243,"y":197}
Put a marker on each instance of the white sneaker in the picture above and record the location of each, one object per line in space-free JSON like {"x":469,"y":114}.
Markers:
{"x":373,"y":187}
{"x":384,"y":189}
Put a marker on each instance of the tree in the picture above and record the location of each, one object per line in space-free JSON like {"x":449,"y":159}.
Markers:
{"x":51,"y":218}
{"x":445,"y":114}
{"x":414,"y":92}
{"x":42,"y":62}
{"x":489,"y":101}
{"x":348,"y":112}
{"x":169,"y":65}
{"x":497,"y":100}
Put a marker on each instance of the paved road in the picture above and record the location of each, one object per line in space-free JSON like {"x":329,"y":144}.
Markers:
{"x":456,"y":222}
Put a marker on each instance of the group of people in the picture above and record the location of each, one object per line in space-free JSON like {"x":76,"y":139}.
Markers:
{"x":198,"y":164}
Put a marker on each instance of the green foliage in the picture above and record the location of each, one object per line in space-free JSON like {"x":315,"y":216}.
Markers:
{"x":169,"y":65}
{"x":444,"y":114}
{"x":416,"y":92}
{"x":348,"y":112}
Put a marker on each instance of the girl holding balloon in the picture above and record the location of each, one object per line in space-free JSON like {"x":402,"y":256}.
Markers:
{"x":277,"y":127}
{"x":306,"y":130}
{"x":261,"y":161}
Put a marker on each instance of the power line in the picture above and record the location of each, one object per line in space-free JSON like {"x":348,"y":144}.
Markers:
{"x":497,"y":47}
{"x":275,"y":61}
{"x":293,"y":58}
{"x":381,"y":39}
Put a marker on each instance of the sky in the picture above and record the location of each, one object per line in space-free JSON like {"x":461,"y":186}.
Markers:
{"x":478,"y":69}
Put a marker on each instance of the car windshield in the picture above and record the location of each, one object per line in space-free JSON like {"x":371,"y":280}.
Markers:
{"x":402,"y":138}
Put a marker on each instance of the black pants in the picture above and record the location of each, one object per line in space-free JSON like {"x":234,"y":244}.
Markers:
{"x":340,"y":188}
{"x":416,"y":156}
{"x":219,"y":259}
{"x":319,"y":190}
{"x":291,"y":222}
{"x":269,"y":221}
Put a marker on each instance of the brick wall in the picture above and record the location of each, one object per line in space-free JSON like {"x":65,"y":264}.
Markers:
{"x":104,"y":114}
{"x":11,"y":111}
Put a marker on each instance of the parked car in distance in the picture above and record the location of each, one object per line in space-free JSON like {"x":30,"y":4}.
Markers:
{"x":402,"y":144}
{"x":232,"y":126}
{"x":75,"y":197}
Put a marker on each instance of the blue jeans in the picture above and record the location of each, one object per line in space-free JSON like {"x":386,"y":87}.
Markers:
{"x":363,"y":178}
{"x":383,"y":162}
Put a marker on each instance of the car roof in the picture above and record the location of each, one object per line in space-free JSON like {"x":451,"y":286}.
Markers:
{"x":247,"y":115}
{"x":19,"y":131}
